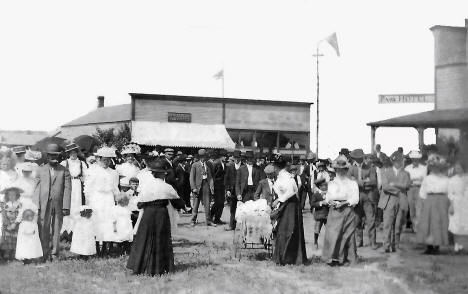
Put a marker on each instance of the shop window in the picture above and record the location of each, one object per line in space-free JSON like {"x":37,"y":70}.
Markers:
{"x":294,"y":140}
{"x":246,"y":139}
{"x":266,"y":139}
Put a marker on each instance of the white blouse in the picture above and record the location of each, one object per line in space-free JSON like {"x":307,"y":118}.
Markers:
{"x":285,"y":186}
{"x":434,"y":184}
{"x":75,"y":167}
{"x":127,"y":171}
{"x":104,"y":180}
{"x":343,"y":189}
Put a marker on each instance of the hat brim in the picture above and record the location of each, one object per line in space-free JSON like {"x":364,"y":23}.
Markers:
{"x":53,"y":153}
{"x":4,"y":191}
{"x":335,"y":166}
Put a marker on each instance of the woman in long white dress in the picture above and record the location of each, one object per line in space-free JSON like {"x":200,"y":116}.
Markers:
{"x":101,"y":189}
{"x":78,"y":170}
{"x":458,"y":216}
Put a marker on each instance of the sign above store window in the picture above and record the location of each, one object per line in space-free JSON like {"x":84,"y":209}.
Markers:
{"x":179,"y":117}
{"x":406,"y":98}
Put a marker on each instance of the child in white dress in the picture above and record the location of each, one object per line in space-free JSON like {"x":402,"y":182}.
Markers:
{"x":83,"y":240}
{"x":28,"y":245}
{"x":123,"y":227}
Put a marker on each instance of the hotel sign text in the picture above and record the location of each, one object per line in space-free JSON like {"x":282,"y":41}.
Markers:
{"x":406,"y":98}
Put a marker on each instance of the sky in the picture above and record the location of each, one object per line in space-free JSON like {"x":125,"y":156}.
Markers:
{"x":56,"y":57}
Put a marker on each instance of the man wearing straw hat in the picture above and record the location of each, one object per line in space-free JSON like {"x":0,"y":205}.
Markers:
{"x":52,"y":196}
{"x":393,"y":201}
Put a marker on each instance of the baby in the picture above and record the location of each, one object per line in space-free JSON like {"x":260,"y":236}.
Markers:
{"x":28,"y":245}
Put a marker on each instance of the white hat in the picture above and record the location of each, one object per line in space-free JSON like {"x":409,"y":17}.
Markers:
{"x":106,"y":152}
{"x":32,"y":155}
{"x":131,"y":149}
{"x":415,"y":154}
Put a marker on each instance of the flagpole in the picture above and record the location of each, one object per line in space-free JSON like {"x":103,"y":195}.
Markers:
{"x":222,"y":85}
{"x":317,"y":56}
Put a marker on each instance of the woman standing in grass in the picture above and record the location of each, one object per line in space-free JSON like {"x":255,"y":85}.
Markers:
{"x":433,"y":226}
{"x":458,"y":216}
{"x":290,"y":243}
{"x":342,"y":195}
{"x":152,"y":252}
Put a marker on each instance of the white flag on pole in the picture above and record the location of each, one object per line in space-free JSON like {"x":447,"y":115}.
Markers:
{"x":219,"y":75}
{"x":333,"y":41}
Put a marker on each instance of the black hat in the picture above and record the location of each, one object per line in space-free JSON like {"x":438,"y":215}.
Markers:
{"x":344,"y":151}
{"x":249,"y":154}
{"x":71,"y":147}
{"x":157,"y":166}
{"x":237,"y":153}
{"x":53,"y":149}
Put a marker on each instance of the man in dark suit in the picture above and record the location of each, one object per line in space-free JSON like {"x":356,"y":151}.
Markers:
{"x":201,"y":182}
{"x":52,"y":195}
{"x":182,"y":179}
{"x":170,"y":176}
{"x":230,"y":186}
{"x":265,"y":186}
{"x":247,"y":179}
{"x":308,"y":177}
{"x":219,"y":172}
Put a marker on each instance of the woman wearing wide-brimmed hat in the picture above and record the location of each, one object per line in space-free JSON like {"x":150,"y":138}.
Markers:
{"x":433,"y":225}
{"x":152,"y":251}
{"x":101,"y":188}
{"x":342,"y":195}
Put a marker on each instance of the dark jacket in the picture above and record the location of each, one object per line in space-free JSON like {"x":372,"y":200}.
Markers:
{"x":320,"y":212}
{"x":242,"y":178}
{"x":264,"y":192}
{"x":230,"y":177}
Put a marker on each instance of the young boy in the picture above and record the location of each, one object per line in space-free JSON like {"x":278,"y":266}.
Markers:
{"x":133,"y":193}
{"x":320,"y":208}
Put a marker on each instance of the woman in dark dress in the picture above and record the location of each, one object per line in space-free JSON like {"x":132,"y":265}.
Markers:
{"x":152,"y":252}
{"x":289,"y":243}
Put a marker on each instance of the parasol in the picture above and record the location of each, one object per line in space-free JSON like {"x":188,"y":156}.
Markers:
{"x":86,"y":143}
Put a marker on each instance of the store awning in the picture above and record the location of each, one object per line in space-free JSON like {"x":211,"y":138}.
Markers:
{"x":447,"y":118}
{"x":181,"y":135}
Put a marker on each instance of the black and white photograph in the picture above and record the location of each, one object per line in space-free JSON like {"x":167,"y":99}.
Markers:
{"x":234,"y":146}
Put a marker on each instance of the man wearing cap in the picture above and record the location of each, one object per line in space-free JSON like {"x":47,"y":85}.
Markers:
{"x":77,"y":170}
{"x":417,"y":172}
{"x":366,"y":177}
{"x":265,"y":186}
{"x":201,"y":182}
{"x":230,"y":186}
{"x":247,"y":179}
{"x":52,"y":196}
{"x":219,"y":173}
{"x":393,"y":201}
{"x":170,"y":175}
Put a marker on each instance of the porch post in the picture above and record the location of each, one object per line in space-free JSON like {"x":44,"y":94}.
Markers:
{"x":421,"y":137}
{"x":373,"y":129}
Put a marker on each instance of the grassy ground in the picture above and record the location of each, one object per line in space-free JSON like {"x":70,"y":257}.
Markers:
{"x":205,"y":264}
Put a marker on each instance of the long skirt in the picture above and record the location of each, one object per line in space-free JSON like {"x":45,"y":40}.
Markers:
{"x":76,"y":202}
{"x":434,"y":221}
{"x":339,"y":236}
{"x":102,"y":204}
{"x":152,"y":252}
{"x":290,"y":242}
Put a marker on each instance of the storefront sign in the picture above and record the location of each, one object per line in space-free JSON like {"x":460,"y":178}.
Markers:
{"x":406,"y":98}
{"x":179,"y":117}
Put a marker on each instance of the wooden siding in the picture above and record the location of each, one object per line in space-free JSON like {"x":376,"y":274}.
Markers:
{"x":157,"y":110}
{"x":268,"y":117}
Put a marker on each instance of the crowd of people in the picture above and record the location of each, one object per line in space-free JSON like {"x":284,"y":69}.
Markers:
{"x":126,"y":202}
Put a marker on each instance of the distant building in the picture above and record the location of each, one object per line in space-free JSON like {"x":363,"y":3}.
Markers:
{"x":450,"y":114}
{"x":203,"y":122}
{"x":20,"y":138}
{"x":102,"y":117}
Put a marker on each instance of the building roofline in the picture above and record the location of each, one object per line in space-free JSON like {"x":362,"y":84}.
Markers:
{"x":216,"y":99}
{"x":97,"y":123}
{"x":454,"y":28}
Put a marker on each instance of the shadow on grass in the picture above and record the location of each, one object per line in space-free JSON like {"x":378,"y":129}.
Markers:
{"x":192,"y":265}
{"x":183,"y":243}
